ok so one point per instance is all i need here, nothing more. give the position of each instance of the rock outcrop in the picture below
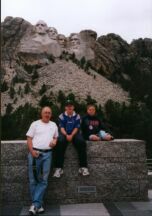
(37, 55)
(110, 51)
(80, 63)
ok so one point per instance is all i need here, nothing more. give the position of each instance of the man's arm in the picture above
(30, 147)
(30, 144)
(53, 143)
(55, 138)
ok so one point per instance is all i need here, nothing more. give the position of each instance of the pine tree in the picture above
(90, 100)
(43, 89)
(9, 109)
(61, 97)
(15, 80)
(4, 86)
(82, 62)
(45, 101)
(12, 92)
(27, 88)
(35, 75)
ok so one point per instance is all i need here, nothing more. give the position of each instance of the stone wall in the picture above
(118, 172)
(150, 179)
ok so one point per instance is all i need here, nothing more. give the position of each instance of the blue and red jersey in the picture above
(69, 122)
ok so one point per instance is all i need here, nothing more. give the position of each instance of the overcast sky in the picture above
(131, 19)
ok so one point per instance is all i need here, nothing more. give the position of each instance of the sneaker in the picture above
(40, 210)
(58, 172)
(84, 171)
(33, 210)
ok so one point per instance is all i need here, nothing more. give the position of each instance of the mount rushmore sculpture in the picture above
(44, 39)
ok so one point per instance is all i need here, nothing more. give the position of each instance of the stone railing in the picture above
(117, 172)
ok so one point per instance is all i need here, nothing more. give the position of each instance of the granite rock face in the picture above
(39, 49)
(110, 51)
(118, 172)
(29, 49)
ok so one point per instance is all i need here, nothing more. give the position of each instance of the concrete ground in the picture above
(89, 209)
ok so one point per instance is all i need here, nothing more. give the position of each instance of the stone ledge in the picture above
(118, 172)
(150, 179)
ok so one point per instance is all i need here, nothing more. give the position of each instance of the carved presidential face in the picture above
(75, 40)
(62, 40)
(41, 27)
(89, 37)
(52, 32)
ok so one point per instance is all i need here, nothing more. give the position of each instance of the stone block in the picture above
(117, 172)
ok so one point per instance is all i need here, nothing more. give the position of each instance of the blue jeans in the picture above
(38, 185)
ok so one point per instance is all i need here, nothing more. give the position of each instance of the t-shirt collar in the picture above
(44, 122)
(74, 113)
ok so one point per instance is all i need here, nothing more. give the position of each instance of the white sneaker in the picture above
(33, 210)
(40, 210)
(58, 172)
(84, 171)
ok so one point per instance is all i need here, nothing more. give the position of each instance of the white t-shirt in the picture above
(42, 133)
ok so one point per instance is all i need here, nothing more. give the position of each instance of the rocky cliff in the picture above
(37, 57)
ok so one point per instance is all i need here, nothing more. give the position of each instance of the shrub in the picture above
(45, 101)
(4, 87)
(82, 62)
(9, 109)
(35, 75)
(27, 88)
(12, 92)
(43, 89)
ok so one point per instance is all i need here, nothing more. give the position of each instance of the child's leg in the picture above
(105, 136)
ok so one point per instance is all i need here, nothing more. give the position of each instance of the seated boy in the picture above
(92, 127)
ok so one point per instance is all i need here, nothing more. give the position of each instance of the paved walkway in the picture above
(90, 209)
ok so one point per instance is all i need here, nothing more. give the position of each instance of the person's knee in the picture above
(94, 137)
(44, 182)
(108, 137)
(45, 176)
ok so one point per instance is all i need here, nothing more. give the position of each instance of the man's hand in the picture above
(34, 153)
(53, 143)
(69, 137)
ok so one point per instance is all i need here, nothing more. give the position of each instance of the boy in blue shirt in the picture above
(69, 128)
